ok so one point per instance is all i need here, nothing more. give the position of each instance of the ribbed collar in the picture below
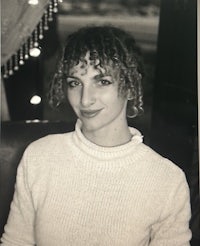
(105, 153)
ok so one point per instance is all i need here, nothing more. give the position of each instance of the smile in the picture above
(90, 113)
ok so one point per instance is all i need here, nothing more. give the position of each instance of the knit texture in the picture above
(70, 191)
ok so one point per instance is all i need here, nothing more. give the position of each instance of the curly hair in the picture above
(108, 45)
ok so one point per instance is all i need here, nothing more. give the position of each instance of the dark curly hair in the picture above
(108, 45)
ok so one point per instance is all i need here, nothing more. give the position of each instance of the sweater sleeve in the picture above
(173, 226)
(19, 229)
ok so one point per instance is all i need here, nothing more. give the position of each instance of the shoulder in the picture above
(49, 142)
(47, 149)
(151, 161)
(163, 180)
(160, 166)
(40, 156)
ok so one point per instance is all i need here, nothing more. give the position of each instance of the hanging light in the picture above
(35, 51)
(35, 100)
(33, 2)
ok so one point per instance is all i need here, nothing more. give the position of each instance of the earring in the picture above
(132, 111)
(130, 97)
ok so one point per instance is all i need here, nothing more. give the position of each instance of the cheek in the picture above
(112, 105)
(72, 98)
(112, 96)
(116, 102)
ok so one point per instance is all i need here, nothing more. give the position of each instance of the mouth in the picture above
(90, 113)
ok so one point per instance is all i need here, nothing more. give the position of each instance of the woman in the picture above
(98, 185)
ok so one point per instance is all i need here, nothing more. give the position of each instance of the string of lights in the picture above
(31, 48)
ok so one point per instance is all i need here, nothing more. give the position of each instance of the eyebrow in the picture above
(71, 77)
(101, 75)
(98, 76)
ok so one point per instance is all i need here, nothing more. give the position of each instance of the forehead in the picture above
(87, 66)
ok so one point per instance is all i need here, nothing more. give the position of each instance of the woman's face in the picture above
(93, 94)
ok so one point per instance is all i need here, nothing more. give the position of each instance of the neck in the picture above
(110, 136)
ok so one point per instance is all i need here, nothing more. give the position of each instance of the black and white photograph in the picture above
(99, 140)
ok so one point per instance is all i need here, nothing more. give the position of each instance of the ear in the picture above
(129, 95)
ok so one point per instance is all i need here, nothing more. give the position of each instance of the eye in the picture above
(73, 83)
(104, 82)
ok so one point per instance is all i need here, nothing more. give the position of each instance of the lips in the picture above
(90, 113)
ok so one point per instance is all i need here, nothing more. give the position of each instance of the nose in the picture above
(88, 96)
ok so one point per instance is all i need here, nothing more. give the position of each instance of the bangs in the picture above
(101, 43)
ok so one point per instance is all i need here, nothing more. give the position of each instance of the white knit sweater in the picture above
(70, 191)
